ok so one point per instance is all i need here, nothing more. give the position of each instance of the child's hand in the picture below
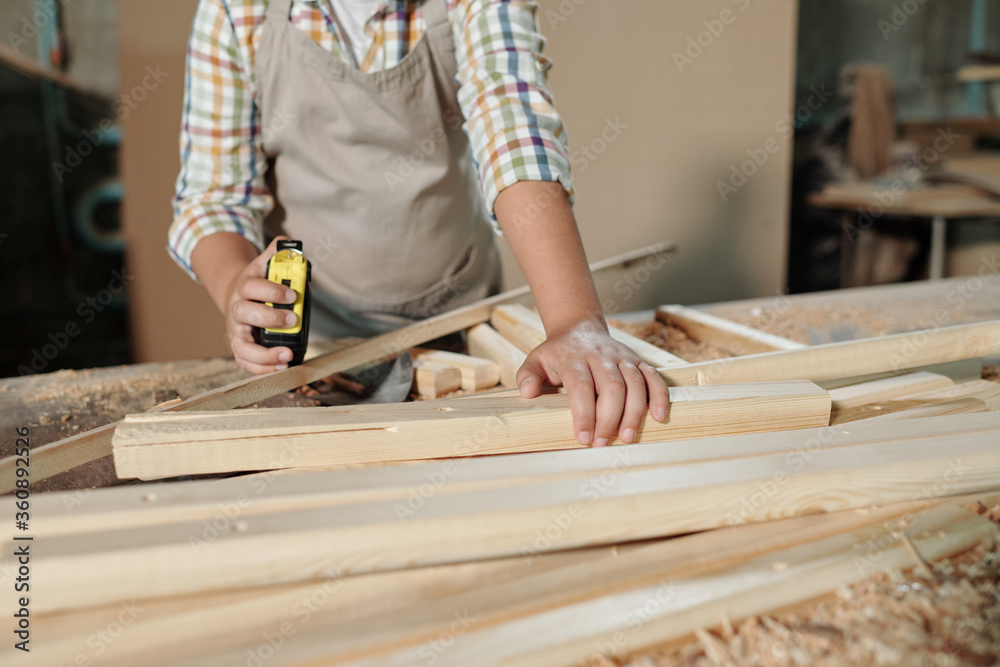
(245, 308)
(588, 361)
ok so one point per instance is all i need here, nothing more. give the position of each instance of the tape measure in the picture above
(289, 267)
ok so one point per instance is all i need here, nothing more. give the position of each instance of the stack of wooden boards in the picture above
(443, 555)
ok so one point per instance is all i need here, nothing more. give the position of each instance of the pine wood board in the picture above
(848, 359)
(369, 615)
(523, 327)
(477, 373)
(965, 397)
(887, 389)
(82, 570)
(433, 379)
(66, 454)
(485, 341)
(735, 338)
(224, 502)
(592, 628)
(150, 446)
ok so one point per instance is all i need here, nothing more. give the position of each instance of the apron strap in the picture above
(435, 12)
(279, 10)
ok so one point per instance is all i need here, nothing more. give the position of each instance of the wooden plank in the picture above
(485, 341)
(962, 370)
(981, 401)
(857, 357)
(385, 611)
(519, 325)
(81, 570)
(477, 373)
(926, 401)
(432, 379)
(524, 328)
(654, 356)
(886, 389)
(69, 453)
(228, 500)
(163, 445)
(606, 627)
(737, 339)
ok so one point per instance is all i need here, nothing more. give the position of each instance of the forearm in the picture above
(539, 226)
(218, 260)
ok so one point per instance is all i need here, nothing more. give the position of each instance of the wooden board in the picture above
(433, 379)
(895, 353)
(524, 328)
(737, 339)
(365, 615)
(69, 453)
(77, 570)
(163, 445)
(485, 341)
(886, 389)
(476, 373)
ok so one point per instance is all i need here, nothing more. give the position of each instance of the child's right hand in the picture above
(245, 309)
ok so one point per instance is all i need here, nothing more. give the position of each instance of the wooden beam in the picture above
(371, 614)
(477, 373)
(737, 339)
(957, 399)
(886, 389)
(164, 445)
(247, 495)
(982, 401)
(524, 328)
(433, 380)
(583, 633)
(77, 570)
(852, 358)
(66, 454)
(485, 341)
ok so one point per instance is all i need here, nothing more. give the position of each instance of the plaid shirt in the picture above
(514, 130)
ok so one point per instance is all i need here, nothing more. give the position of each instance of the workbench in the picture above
(64, 403)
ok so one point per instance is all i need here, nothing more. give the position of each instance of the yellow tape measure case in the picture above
(290, 268)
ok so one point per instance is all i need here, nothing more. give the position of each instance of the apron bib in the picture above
(373, 172)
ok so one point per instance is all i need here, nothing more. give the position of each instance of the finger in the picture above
(635, 401)
(610, 402)
(579, 384)
(260, 315)
(530, 376)
(259, 264)
(270, 358)
(263, 290)
(659, 395)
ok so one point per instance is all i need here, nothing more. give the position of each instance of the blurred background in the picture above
(736, 119)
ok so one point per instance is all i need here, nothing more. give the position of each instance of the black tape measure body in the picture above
(290, 268)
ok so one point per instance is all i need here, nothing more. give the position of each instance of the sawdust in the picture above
(950, 618)
(991, 373)
(672, 339)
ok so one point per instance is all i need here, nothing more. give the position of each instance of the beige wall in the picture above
(172, 317)
(613, 60)
(657, 181)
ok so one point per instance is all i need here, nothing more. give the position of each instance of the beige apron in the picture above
(374, 174)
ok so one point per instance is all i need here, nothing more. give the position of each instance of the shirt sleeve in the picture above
(221, 185)
(513, 126)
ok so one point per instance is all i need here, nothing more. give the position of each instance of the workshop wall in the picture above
(699, 100)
